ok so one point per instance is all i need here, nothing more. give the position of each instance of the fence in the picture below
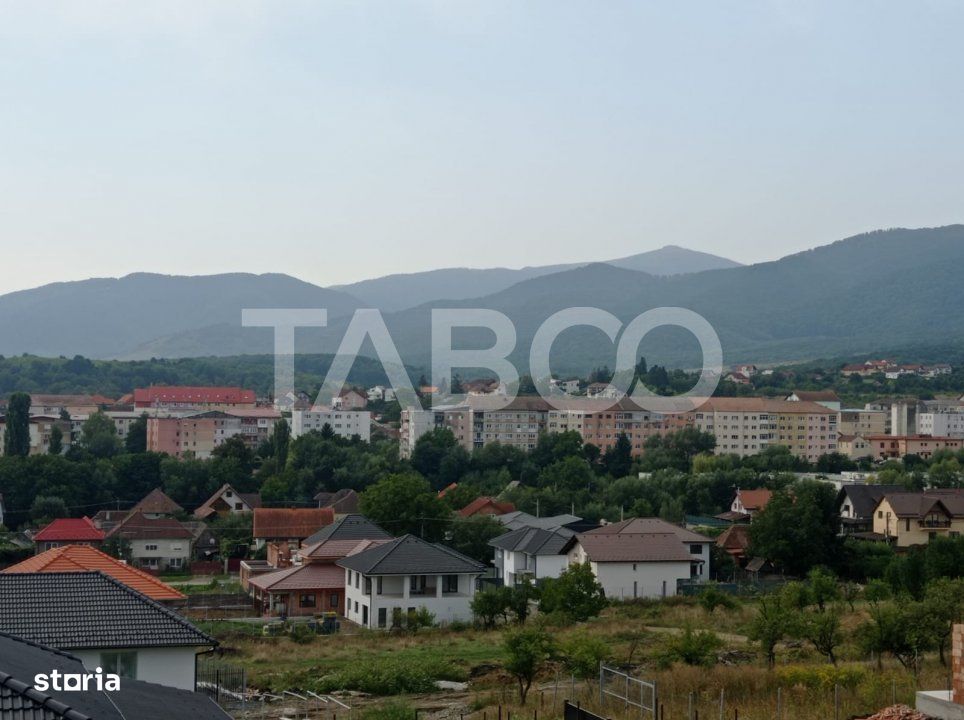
(225, 684)
(632, 692)
(576, 712)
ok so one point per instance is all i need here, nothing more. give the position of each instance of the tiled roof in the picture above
(764, 405)
(735, 539)
(519, 519)
(68, 530)
(916, 505)
(755, 499)
(138, 526)
(157, 503)
(654, 547)
(290, 522)
(865, 496)
(345, 500)
(313, 576)
(646, 526)
(187, 394)
(84, 558)
(501, 507)
(410, 555)
(349, 527)
(533, 541)
(337, 549)
(252, 500)
(75, 610)
(21, 660)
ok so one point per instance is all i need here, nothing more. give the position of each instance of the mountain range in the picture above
(881, 290)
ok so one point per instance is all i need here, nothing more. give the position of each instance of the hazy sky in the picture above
(342, 140)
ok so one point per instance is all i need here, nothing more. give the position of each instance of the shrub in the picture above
(583, 653)
(713, 598)
(391, 710)
(691, 647)
(821, 676)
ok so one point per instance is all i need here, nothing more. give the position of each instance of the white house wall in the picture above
(173, 667)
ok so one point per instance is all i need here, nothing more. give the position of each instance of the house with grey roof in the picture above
(387, 582)
(642, 557)
(856, 503)
(347, 527)
(21, 661)
(534, 553)
(104, 623)
(518, 519)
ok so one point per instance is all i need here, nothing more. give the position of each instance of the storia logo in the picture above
(98, 681)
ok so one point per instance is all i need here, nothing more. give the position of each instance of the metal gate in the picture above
(632, 692)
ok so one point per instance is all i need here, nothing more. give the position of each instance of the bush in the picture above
(391, 710)
(583, 653)
(692, 648)
(822, 676)
(713, 598)
(384, 677)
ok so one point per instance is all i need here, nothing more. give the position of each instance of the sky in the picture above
(337, 141)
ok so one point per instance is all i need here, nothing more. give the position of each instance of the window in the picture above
(333, 600)
(306, 601)
(696, 549)
(176, 562)
(148, 548)
(119, 663)
(382, 617)
(368, 586)
(450, 583)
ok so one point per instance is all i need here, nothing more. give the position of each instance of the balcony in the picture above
(934, 523)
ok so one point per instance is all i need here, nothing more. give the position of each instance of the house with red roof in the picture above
(750, 502)
(68, 531)
(84, 558)
(283, 529)
(181, 396)
(487, 506)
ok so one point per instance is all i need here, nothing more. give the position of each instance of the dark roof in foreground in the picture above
(350, 527)
(76, 610)
(533, 541)
(410, 555)
(21, 660)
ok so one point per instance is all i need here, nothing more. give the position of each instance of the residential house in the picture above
(314, 583)
(487, 506)
(908, 519)
(22, 661)
(157, 505)
(735, 542)
(342, 502)
(68, 531)
(886, 447)
(213, 398)
(601, 390)
(283, 529)
(344, 423)
(104, 623)
(227, 501)
(518, 519)
(856, 503)
(107, 520)
(156, 543)
(531, 553)
(350, 399)
(84, 558)
(642, 557)
(387, 582)
(738, 378)
(750, 502)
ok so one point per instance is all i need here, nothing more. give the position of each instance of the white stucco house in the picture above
(535, 553)
(384, 583)
(642, 557)
(103, 623)
(159, 543)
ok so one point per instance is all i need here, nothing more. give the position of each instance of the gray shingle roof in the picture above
(350, 527)
(533, 541)
(519, 519)
(409, 555)
(21, 660)
(646, 526)
(864, 497)
(75, 610)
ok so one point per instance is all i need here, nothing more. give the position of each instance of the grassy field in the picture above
(637, 634)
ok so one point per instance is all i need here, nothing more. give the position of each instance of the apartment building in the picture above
(185, 397)
(948, 422)
(198, 434)
(855, 421)
(747, 426)
(344, 423)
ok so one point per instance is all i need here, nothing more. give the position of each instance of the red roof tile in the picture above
(188, 394)
(69, 529)
(290, 522)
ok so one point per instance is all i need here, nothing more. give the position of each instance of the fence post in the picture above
(836, 701)
(689, 714)
(722, 704)
(601, 694)
(779, 698)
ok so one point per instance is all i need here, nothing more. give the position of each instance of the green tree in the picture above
(16, 438)
(406, 503)
(471, 536)
(618, 460)
(98, 436)
(823, 587)
(583, 653)
(522, 594)
(56, 444)
(944, 604)
(46, 508)
(527, 650)
(774, 621)
(576, 592)
(280, 440)
(798, 531)
(489, 604)
(136, 440)
(823, 630)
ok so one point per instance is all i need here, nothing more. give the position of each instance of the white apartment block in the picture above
(344, 423)
(949, 423)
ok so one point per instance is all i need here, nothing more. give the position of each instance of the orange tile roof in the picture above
(755, 499)
(290, 522)
(83, 558)
(68, 530)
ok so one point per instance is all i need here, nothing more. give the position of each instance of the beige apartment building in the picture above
(862, 422)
